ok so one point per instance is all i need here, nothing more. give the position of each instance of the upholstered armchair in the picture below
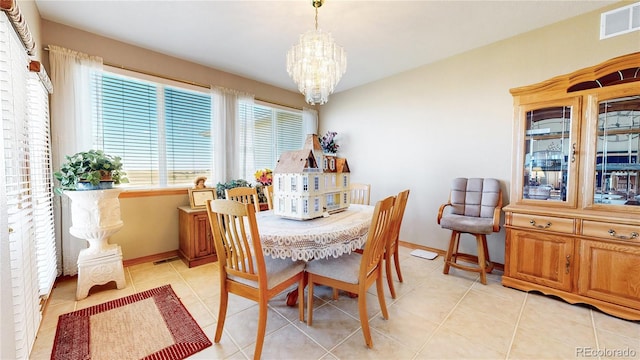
(474, 208)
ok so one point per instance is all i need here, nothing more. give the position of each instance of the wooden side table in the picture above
(196, 240)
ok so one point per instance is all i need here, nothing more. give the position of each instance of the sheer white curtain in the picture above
(309, 122)
(232, 128)
(74, 110)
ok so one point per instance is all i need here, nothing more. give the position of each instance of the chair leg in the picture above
(396, 260)
(309, 299)
(222, 314)
(364, 320)
(489, 267)
(481, 240)
(387, 264)
(262, 327)
(453, 244)
(301, 284)
(381, 300)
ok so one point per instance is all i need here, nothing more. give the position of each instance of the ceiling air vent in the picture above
(620, 21)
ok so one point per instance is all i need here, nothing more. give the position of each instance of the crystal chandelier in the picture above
(316, 63)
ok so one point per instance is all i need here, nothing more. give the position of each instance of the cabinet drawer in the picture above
(605, 230)
(548, 223)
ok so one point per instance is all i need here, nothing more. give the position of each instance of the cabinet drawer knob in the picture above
(546, 226)
(633, 235)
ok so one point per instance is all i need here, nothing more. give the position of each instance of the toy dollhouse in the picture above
(307, 183)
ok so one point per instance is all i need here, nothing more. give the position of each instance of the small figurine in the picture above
(199, 182)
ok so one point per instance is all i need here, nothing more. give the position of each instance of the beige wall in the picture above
(421, 128)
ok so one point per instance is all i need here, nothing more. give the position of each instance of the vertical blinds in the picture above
(27, 190)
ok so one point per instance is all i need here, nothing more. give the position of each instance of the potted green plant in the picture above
(90, 170)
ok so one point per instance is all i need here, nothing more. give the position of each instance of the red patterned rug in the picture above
(152, 324)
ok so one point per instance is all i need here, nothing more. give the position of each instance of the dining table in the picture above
(332, 235)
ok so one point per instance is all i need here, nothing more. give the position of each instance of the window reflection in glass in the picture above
(617, 144)
(547, 145)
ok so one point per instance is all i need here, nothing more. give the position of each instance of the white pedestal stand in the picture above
(95, 216)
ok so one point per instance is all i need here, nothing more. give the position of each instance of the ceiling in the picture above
(251, 38)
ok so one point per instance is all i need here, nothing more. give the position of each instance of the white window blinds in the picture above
(162, 133)
(276, 131)
(129, 126)
(27, 191)
(188, 134)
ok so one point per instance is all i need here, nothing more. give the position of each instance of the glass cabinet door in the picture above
(549, 152)
(617, 143)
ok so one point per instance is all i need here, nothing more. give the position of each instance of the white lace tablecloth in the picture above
(320, 238)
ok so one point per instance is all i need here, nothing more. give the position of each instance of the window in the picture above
(276, 130)
(305, 183)
(163, 131)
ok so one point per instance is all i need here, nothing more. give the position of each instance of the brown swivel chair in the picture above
(475, 206)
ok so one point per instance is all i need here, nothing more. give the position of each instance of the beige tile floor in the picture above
(435, 316)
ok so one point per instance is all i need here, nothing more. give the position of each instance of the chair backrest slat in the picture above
(268, 194)
(236, 238)
(360, 193)
(377, 237)
(246, 195)
(398, 213)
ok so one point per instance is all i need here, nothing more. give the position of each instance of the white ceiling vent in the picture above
(620, 21)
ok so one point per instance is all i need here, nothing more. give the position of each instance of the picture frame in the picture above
(198, 197)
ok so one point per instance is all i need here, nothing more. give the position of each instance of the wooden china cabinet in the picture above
(573, 224)
(196, 240)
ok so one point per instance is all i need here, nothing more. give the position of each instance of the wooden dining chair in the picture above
(244, 270)
(268, 193)
(355, 272)
(246, 195)
(392, 243)
(360, 193)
